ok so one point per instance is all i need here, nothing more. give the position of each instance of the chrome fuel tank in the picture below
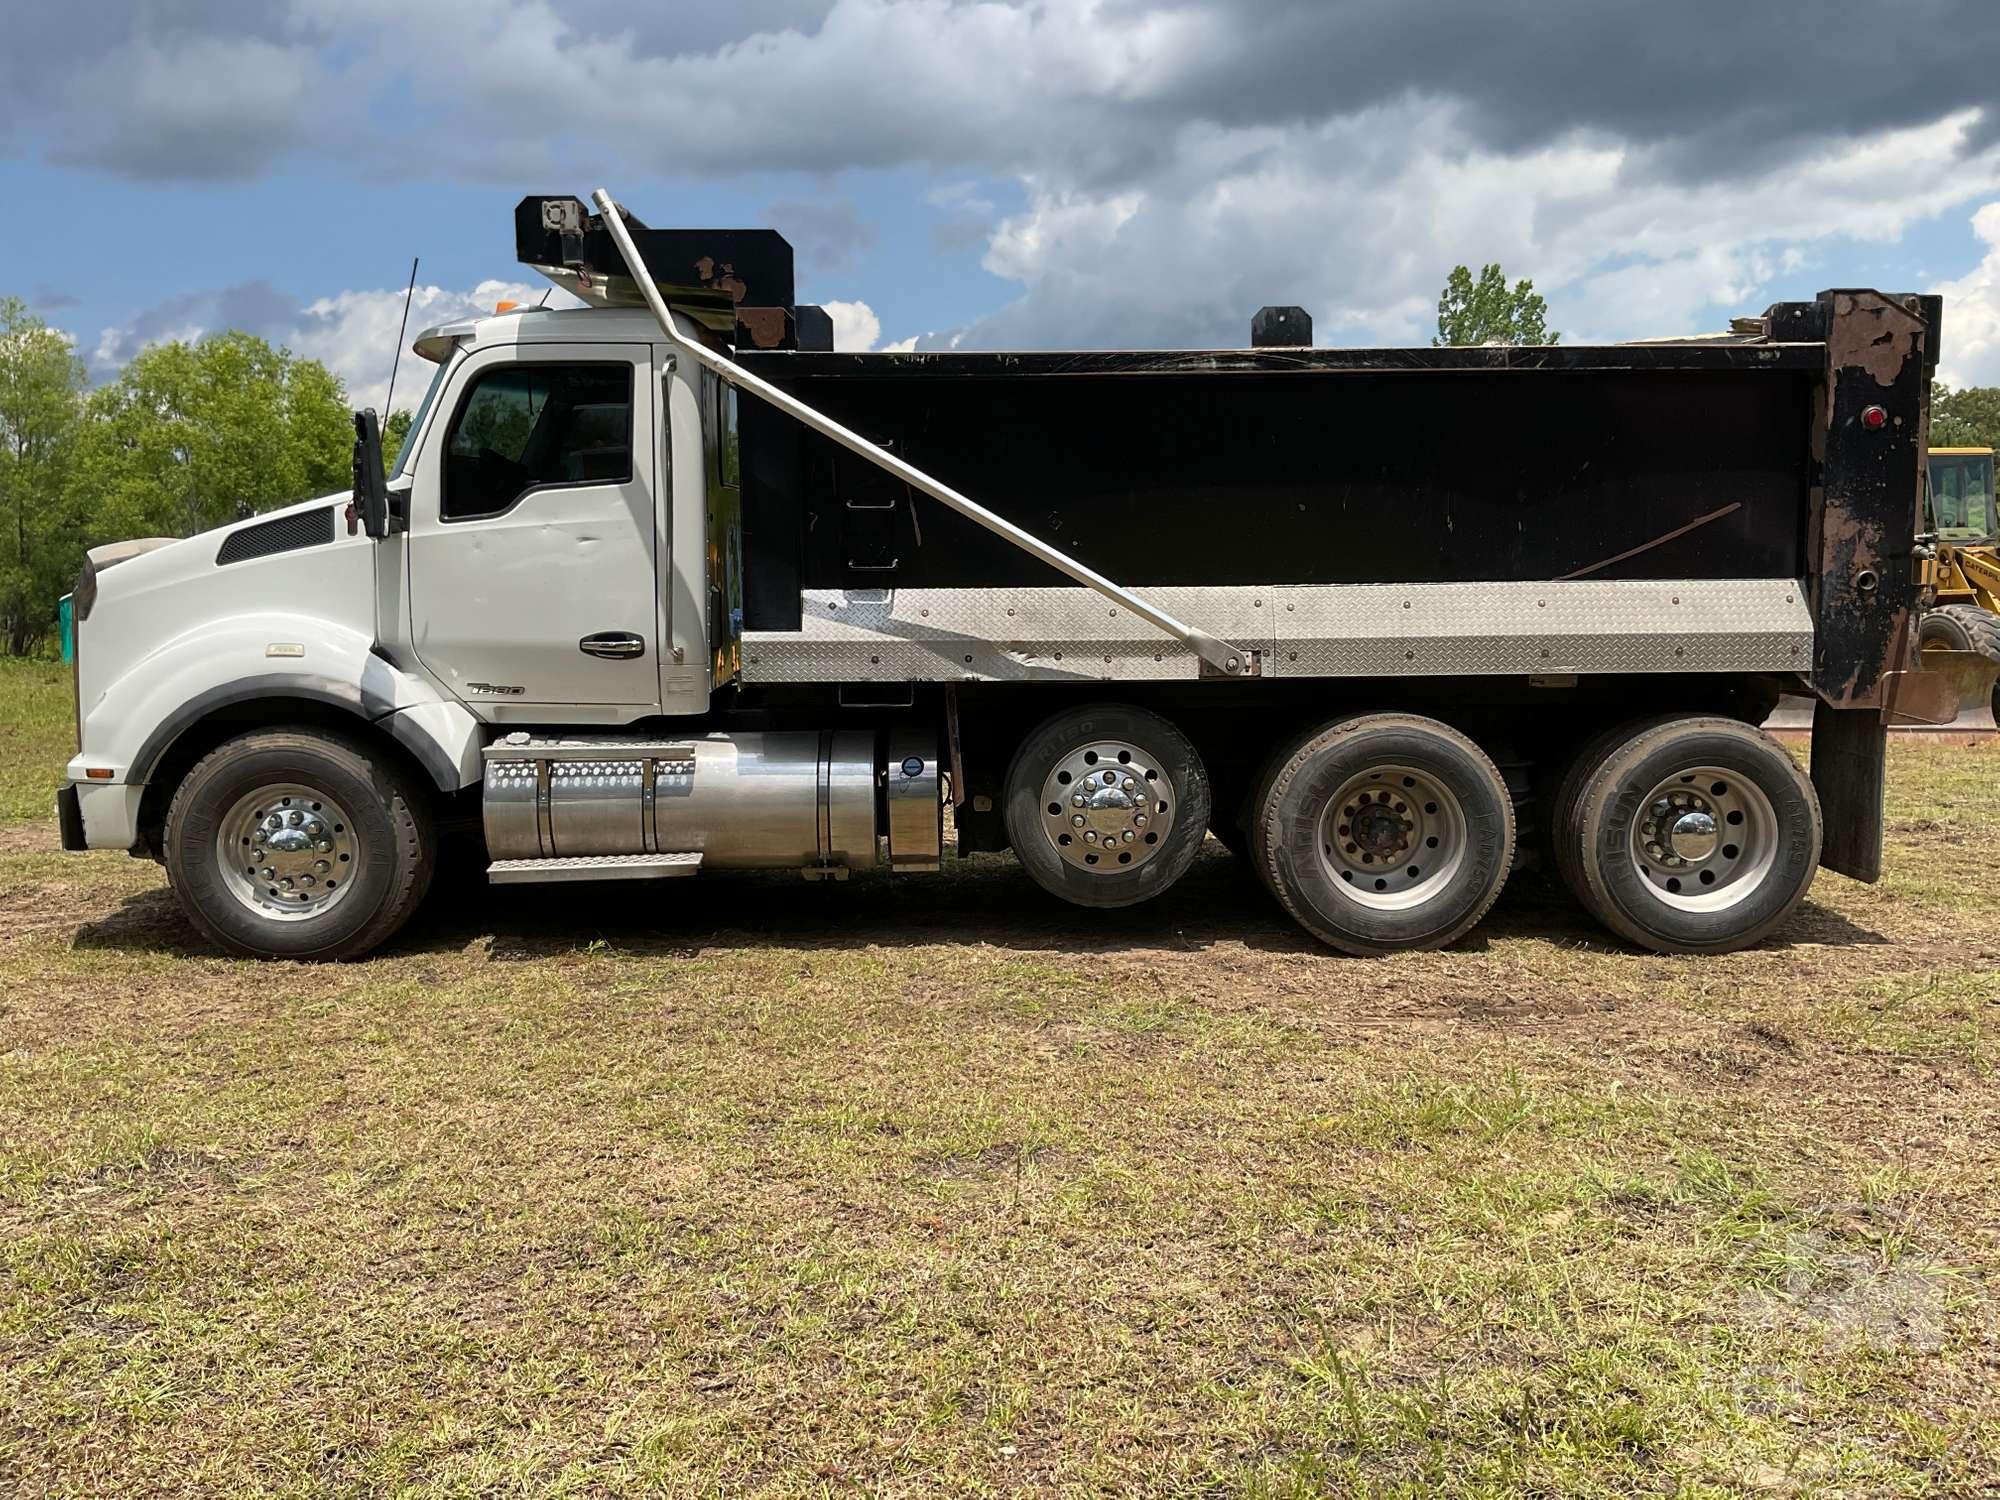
(795, 799)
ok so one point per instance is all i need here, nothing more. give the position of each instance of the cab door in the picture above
(533, 542)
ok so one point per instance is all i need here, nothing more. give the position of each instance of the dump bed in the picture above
(1777, 471)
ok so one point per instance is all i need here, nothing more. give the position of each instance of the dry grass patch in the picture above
(760, 1186)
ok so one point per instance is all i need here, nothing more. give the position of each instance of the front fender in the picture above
(141, 713)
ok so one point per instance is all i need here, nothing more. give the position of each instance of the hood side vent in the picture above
(308, 528)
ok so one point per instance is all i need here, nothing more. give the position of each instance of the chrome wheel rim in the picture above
(1393, 837)
(1704, 839)
(1107, 806)
(287, 852)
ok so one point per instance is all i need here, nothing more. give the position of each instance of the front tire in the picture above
(298, 843)
(1688, 835)
(1383, 833)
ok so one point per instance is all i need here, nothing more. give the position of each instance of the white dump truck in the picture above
(665, 587)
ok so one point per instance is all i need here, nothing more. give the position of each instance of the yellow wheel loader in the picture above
(1966, 616)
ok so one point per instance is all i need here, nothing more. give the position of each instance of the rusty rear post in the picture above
(1870, 421)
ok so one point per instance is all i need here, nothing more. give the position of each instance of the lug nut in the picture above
(320, 866)
(1076, 820)
(1090, 836)
(1138, 820)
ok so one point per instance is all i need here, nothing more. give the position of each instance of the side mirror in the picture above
(370, 505)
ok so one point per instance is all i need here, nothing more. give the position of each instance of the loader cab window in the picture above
(1962, 496)
(526, 427)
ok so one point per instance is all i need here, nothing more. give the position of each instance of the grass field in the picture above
(750, 1185)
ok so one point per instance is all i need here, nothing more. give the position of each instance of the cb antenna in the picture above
(389, 404)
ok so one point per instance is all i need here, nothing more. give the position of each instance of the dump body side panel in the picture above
(1320, 475)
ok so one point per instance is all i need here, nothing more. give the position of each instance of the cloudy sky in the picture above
(1042, 173)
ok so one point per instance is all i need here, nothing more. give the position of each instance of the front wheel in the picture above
(1688, 835)
(298, 843)
(1384, 832)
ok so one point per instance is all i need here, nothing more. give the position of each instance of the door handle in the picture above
(613, 645)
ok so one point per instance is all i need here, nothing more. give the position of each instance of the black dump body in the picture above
(1794, 454)
(1306, 466)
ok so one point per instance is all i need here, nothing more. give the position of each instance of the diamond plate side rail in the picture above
(1333, 630)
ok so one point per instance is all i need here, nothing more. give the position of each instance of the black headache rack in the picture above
(735, 282)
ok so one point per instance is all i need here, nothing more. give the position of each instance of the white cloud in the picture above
(855, 326)
(353, 333)
(901, 346)
(1971, 353)
(1358, 219)
(1177, 162)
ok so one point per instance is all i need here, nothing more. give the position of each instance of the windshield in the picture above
(1962, 496)
(417, 421)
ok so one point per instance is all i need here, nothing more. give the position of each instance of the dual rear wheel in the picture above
(1391, 831)
(1687, 835)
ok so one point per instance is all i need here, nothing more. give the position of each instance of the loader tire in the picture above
(299, 843)
(1960, 627)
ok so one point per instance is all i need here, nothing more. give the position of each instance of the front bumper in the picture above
(99, 815)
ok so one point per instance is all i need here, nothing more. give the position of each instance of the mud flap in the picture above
(69, 818)
(1849, 754)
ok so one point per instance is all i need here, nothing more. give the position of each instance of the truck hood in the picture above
(146, 592)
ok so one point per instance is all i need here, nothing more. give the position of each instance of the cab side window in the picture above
(525, 427)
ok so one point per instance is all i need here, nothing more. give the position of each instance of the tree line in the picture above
(186, 437)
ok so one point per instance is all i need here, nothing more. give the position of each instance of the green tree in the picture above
(1488, 311)
(191, 436)
(41, 390)
(1968, 418)
(395, 433)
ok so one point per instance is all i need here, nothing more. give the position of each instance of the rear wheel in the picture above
(1688, 835)
(1384, 832)
(1106, 805)
(297, 843)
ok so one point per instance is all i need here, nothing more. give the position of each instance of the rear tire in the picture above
(1688, 835)
(1384, 832)
(298, 843)
(1139, 830)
